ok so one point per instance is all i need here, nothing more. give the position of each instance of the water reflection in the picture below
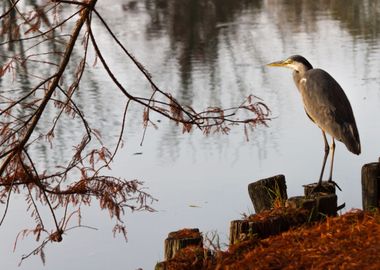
(360, 18)
(193, 29)
(213, 53)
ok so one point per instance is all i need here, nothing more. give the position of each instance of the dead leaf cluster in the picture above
(349, 241)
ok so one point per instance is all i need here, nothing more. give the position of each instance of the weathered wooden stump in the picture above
(264, 192)
(178, 240)
(319, 205)
(326, 205)
(239, 231)
(181, 239)
(300, 202)
(315, 205)
(371, 185)
(322, 202)
(327, 187)
(267, 223)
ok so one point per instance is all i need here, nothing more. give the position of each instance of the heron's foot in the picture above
(334, 183)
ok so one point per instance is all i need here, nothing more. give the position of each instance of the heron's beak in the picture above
(282, 63)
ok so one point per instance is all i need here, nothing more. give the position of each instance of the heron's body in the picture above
(326, 104)
(328, 107)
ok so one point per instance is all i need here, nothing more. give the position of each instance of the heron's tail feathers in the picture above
(351, 139)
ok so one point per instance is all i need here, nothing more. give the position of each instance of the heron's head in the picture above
(295, 62)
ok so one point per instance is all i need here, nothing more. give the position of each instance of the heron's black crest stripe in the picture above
(301, 59)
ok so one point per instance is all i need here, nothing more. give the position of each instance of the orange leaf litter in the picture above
(350, 241)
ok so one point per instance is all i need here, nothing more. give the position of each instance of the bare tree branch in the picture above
(79, 180)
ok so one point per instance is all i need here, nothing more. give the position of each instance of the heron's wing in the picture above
(328, 106)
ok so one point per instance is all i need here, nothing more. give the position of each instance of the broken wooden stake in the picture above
(371, 185)
(265, 192)
(326, 187)
(267, 223)
(181, 239)
(319, 205)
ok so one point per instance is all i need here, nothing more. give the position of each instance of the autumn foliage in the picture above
(350, 241)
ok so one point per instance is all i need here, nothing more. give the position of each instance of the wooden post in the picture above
(322, 203)
(264, 192)
(371, 185)
(326, 205)
(181, 239)
(239, 230)
(271, 222)
(176, 241)
(300, 202)
(327, 187)
(319, 205)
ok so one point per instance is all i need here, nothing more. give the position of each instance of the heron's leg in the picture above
(327, 150)
(332, 158)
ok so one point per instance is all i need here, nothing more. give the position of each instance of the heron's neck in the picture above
(299, 73)
(297, 76)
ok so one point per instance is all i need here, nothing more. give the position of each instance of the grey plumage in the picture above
(326, 104)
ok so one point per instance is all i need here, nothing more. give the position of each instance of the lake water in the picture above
(212, 53)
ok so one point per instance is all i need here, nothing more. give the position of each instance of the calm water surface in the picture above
(213, 53)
